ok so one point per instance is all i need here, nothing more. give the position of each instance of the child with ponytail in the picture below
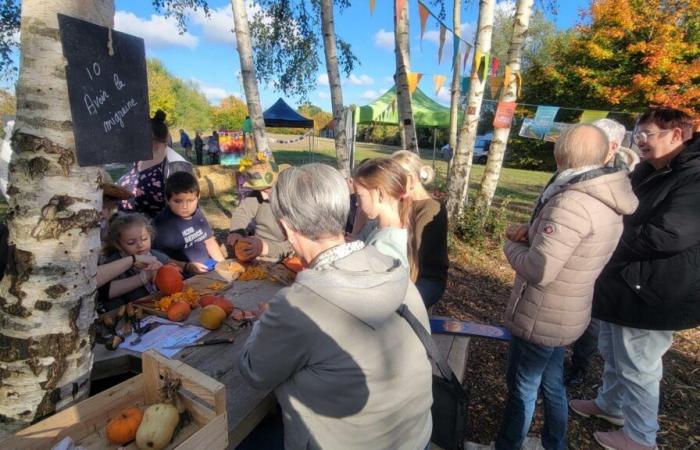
(380, 185)
(429, 236)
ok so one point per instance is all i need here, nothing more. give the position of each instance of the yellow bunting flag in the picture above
(423, 11)
(518, 84)
(495, 84)
(506, 77)
(476, 61)
(591, 115)
(372, 4)
(443, 30)
(438, 81)
(413, 80)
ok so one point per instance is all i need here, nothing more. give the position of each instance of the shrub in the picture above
(483, 229)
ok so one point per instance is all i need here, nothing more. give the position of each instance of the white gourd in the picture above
(157, 427)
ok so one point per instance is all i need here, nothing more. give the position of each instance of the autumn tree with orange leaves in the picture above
(624, 55)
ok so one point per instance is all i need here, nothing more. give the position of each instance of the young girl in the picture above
(128, 265)
(429, 236)
(380, 185)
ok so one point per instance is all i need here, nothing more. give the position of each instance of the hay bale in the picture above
(215, 180)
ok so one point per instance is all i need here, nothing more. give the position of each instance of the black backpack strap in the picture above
(427, 341)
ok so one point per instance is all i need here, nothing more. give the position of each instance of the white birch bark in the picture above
(454, 97)
(250, 83)
(47, 297)
(329, 45)
(460, 168)
(492, 172)
(407, 125)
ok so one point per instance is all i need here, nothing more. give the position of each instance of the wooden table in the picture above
(245, 406)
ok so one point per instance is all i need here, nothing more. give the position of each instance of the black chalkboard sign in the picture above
(108, 93)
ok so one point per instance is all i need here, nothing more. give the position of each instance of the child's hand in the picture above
(148, 263)
(196, 267)
(517, 232)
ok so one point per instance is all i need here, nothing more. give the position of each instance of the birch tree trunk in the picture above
(341, 140)
(407, 126)
(462, 160)
(250, 83)
(47, 297)
(454, 99)
(492, 172)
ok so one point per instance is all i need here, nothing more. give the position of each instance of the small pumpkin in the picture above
(179, 311)
(294, 264)
(219, 301)
(212, 317)
(169, 280)
(158, 426)
(122, 429)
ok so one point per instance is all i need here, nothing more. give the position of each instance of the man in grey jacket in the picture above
(347, 370)
(573, 231)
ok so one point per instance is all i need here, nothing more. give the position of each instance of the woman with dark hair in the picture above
(146, 179)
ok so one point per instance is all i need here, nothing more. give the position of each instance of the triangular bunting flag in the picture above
(443, 30)
(475, 62)
(423, 12)
(465, 85)
(495, 85)
(484, 66)
(455, 50)
(518, 84)
(400, 4)
(495, 63)
(372, 4)
(466, 55)
(413, 80)
(438, 81)
(506, 77)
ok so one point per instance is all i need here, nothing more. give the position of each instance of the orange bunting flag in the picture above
(423, 11)
(438, 81)
(506, 77)
(504, 115)
(443, 30)
(495, 85)
(400, 4)
(413, 80)
(372, 4)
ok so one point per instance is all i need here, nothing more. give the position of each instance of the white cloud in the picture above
(371, 95)
(389, 80)
(213, 93)
(323, 79)
(158, 32)
(362, 80)
(444, 95)
(323, 95)
(384, 39)
(218, 27)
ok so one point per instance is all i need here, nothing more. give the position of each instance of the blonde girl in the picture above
(429, 237)
(381, 188)
(128, 265)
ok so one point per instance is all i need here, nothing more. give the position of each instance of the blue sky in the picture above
(206, 52)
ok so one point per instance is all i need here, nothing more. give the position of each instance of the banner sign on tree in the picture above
(504, 115)
(591, 115)
(544, 118)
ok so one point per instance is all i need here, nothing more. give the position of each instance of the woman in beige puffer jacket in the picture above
(573, 232)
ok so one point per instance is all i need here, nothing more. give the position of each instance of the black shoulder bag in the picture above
(450, 399)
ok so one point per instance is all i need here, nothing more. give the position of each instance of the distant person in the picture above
(248, 141)
(182, 230)
(625, 159)
(213, 148)
(557, 257)
(146, 179)
(446, 152)
(649, 289)
(198, 147)
(429, 236)
(186, 144)
(347, 370)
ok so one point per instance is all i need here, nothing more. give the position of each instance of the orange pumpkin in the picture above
(122, 429)
(178, 311)
(219, 301)
(169, 280)
(238, 249)
(294, 264)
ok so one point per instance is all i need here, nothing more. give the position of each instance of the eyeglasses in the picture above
(642, 137)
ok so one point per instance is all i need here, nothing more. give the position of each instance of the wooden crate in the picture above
(203, 397)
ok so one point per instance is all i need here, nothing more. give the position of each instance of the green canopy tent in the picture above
(426, 112)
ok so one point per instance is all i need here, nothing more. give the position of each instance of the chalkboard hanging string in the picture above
(110, 49)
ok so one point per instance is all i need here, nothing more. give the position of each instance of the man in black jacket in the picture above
(651, 286)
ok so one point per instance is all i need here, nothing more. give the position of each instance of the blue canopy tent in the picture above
(283, 116)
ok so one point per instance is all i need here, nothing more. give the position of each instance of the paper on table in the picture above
(168, 334)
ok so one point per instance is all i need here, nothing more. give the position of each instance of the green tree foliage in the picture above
(9, 26)
(230, 114)
(185, 105)
(8, 103)
(320, 117)
(542, 36)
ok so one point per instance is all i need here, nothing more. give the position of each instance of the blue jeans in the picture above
(529, 366)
